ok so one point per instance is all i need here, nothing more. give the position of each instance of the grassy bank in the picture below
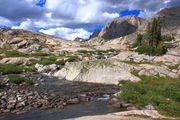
(162, 93)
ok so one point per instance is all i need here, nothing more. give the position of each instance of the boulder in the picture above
(73, 101)
(15, 60)
(16, 40)
(98, 71)
(46, 68)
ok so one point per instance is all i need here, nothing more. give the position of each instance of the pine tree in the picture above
(149, 34)
(154, 33)
(139, 38)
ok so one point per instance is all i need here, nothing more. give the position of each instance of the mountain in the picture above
(30, 42)
(170, 22)
(95, 33)
(120, 27)
(124, 29)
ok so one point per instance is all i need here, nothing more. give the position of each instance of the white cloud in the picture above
(26, 25)
(5, 21)
(110, 15)
(67, 33)
(72, 14)
(167, 1)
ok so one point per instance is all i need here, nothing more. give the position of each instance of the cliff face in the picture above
(95, 33)
(120, 27)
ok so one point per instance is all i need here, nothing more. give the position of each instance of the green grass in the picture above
(174, 67)
(52, 60)
(97, 52)
(40, 54)
(136, 63)
(10, 68)
(29, 69)
(163, 93)
(17, 79)
(14, 53)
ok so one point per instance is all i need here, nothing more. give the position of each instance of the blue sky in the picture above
(69, 19)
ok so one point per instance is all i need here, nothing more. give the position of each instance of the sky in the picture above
(69, 19)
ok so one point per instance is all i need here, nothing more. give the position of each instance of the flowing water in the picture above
(97, 106)
(94, 107)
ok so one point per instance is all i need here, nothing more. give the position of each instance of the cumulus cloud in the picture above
(67, 33)
(26, 25)
(20, 9)
(73, 15)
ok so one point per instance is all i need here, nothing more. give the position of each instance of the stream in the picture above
(97, 106)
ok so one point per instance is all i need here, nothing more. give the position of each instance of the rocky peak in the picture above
(120, 27)
(78, 39)
(95, 33)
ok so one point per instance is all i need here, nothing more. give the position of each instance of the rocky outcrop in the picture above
(78, 39)
(100, 71)
(47, 68)
(16, 60)
(120, 27)
(152, 70)
(95, 33)
(127, 115)
(30, 42)
(150, 113)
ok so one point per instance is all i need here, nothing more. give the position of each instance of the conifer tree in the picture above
(139, 38)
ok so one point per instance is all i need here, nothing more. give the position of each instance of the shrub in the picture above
(10, 68)
(149, 50)
(15, 54)
(17, 79)
(167, 38)
(83, 51)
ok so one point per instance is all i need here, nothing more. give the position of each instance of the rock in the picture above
(41, 68)
(120, 27)
(149, 107)
(11, 107)
(167, 58)
(73, 101)
(131, 108)
(100, 71)
(53, 67)
(46, 68)
(151, 113)
(149, 72)
(95, 33)
(22, 44)
(115, 102)
(16, 40)
(133, 56)
(21, 104)
(84, 98)
(152, 70)
(16, 60)
(79, 39)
